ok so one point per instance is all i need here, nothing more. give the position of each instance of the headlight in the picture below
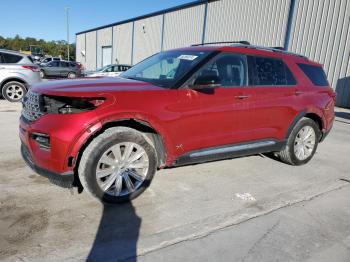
(70, 105)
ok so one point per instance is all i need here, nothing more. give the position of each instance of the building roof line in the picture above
(164, 11)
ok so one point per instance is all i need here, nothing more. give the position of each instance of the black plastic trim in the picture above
(294, 122)
(187, 159)
(64, 180)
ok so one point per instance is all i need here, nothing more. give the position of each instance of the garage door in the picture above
(106, 55)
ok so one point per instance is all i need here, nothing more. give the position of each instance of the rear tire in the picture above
(14, 91)
(118, 165)
(301, 143)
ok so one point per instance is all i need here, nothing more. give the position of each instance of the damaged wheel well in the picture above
(144, 127)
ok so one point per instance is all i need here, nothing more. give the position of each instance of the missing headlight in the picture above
(70, 105)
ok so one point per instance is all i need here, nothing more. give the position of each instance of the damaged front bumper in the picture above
(65, 180)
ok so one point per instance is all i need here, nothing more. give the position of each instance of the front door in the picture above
(53, 68)
(216, 116)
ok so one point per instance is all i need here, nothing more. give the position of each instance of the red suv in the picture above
(177, 107)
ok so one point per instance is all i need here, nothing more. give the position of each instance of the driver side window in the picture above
(228, 70)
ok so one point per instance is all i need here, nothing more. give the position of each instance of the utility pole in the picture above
(67, 13)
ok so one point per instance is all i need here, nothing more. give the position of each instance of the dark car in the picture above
(65, 69)
(177, 107)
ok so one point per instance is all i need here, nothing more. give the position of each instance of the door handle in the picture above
(241, 97)
(297, 92)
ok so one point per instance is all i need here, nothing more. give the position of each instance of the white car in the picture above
(109, 70)
(17, 74)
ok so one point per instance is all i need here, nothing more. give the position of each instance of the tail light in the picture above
(33, 68)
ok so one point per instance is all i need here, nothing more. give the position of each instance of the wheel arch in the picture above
(10, 79)
(140, 125)
(311, 115)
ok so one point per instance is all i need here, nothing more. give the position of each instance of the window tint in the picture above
(10, 58)
(72, 64)
(64, 64)
(54, 63)
(315, 74)
(30, 59)
(109, 69)
(230, 70)
(1, 61)
(269, 71)
(122, 68)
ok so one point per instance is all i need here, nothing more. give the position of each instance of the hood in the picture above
(91, 86)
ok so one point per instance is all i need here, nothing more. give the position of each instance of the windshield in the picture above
(102, 68)
(166, 68)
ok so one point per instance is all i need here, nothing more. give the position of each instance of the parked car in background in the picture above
(67, 69)
(109, 70)
(49, 59)
(178, 107)
(17, 74)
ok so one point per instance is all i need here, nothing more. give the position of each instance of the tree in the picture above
(53, 48)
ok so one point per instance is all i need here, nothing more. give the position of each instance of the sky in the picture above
(46, 19)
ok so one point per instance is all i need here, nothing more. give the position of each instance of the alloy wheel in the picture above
(122, 169)
(304, 142)
(14, 92)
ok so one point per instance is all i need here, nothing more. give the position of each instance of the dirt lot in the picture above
(198, 212)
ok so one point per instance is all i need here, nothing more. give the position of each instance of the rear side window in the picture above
(1, 61)
(30, 59)
(315, 74)
(54, 63)
(64, 64)
(10, 58)
(269, 71)
(122, 68)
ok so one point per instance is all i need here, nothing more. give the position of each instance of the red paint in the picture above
(186, 119)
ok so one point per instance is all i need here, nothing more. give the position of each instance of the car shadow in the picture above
(117, 234)
(344, 115)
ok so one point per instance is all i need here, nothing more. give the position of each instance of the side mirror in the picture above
(206, 81)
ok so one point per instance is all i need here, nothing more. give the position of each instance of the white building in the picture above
(318, 29)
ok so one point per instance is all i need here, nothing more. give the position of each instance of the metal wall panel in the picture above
(183, 27)
(80, 47)
(122, 43)
(147, 37)
(90, 51)
(104, 38)
(261, 22)
(321, 32)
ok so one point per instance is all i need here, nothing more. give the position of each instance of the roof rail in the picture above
(271, 49)
(225, 42)
(278, 47)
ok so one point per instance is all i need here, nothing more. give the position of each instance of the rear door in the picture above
(273, 97)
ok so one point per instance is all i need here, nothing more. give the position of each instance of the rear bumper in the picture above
(65, 180)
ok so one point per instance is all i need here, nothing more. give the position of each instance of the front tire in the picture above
(42, 74)
(71, 75)
(118, 165)
(14, 91)
(301, 143)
